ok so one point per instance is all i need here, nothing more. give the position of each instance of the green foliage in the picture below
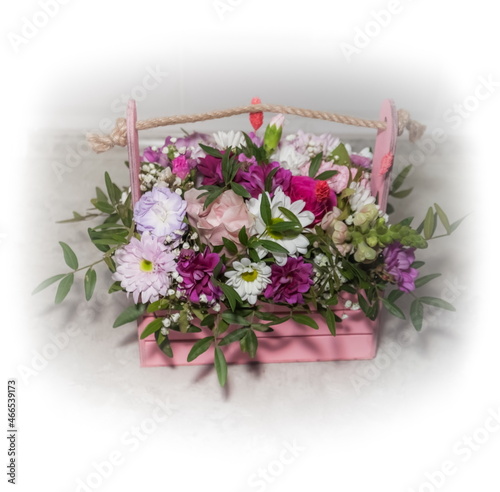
(200, 347)
(69, 256)
(90, 280)
(220, 366)
(130, 314)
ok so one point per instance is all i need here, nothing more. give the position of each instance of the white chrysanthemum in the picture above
(229, 140)
(249, 279)
(366, 152)
(290, 159)
(362, 196)
(294, 245)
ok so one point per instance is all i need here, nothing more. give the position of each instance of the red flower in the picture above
(317, 195)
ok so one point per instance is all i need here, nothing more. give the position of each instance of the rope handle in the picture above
(103, 143)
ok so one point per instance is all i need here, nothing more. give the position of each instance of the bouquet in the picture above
(229, 226)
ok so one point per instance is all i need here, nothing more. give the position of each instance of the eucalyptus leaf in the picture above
(153, 327)
(429, 223)
(425, 279)
(436, 302)
(199, 348)
(220, 366)
(305, 320)
(69, 256)
(417, 314)
(130, 314)
(64, 287)
(48, 282)
(89, 281)
(393, 309)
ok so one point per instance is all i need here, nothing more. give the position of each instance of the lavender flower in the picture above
(398, 260)
(161, 212)
(196, 270)
(290, 281)
(143, 268)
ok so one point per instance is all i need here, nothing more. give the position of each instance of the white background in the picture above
(81, 408)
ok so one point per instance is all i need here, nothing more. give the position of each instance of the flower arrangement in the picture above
(231, 223)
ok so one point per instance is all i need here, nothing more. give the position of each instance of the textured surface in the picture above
(94, 394)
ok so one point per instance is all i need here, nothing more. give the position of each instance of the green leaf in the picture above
(89, 281)
(393, 309)
(417, 314)
(130, 314)
(290, 216)
(164, 344)
(272, 246)
(239, 190)
(199, 348)
(211, 151)
(220, 366)
(212, 196)
(326, 175)
(330, 321)
(232, 296)
(427, 278)
(115, 287)
(69, 256)
(268, 185)
(454, 226)
(305, 320)
(418, 264)
(48, 282)
(234, 336)
(234, 319)
(429, 223)
(230, 246)
(436, 302)
(363, 304)
(400, 178)
(340, 155)
(389, 209)
(153, 327)
(103, 206)
(394, 295)
(101, 196)
(110, 189)
(315, 165)
(443, 218)
(64, 288)
(265, 209)
(208, 320)
(402, 193)
(249, 343)
(243, 236)
(158, 305)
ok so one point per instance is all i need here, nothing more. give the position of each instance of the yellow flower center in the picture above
(146, 265)
(276, 235)
(250, 276)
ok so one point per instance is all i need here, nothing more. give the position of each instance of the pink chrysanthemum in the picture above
(143, 268)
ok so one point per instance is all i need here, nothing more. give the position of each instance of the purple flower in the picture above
(196, 270)
(211, 169)
(256, 139)
(290, 281)
(154, 155)
(161, 212)
(361, 161)
(143, 267)
(398, 260)
(254, 179)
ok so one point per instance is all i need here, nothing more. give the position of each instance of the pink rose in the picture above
(222, 218)
(180, 166)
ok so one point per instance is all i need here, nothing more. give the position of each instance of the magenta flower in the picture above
(196, 270)
(143, 268)
(398, 260)
(161, 212)
(254, 179)
(290, 281)
(210, 168)
(181, 166)
(317, 195)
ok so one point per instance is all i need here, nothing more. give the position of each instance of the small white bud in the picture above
(348, 304)
(164, 331)
(194, 236)
(173, 139)
(196, 248)
(216, 307)
(185, 246)
(345, 316)
(178, 191)
(203, 298)
(178, 294)
(166, 322)
(170, 292)
(355, 307)
(180, 280)
(175, 317)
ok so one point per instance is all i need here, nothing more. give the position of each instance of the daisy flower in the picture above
(249, 279)
(294, 245)
(229, 140)
(143, 267)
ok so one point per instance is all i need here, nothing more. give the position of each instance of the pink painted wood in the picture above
(383, 154)
(357, 336)
(134, 157)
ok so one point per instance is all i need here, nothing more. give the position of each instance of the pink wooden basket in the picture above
(357, 336)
